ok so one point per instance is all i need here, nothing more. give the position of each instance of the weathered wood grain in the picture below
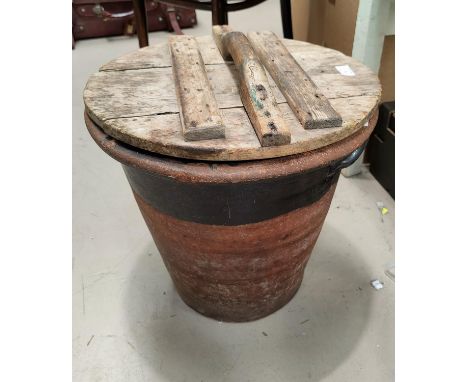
(158, 55)
(309, 104)
(254, 88)
(198, 109)
(161, 133)
(122, 94)
(134, 100)
(219, 31)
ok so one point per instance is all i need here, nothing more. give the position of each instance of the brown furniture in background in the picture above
(100, 18)
(219, 12)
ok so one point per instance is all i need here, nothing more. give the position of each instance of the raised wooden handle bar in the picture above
(255, 92)
(199, 112)
(311, 107)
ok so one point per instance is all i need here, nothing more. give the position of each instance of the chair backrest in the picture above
(219, 14)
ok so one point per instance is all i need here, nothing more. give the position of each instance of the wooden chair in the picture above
(219, 13)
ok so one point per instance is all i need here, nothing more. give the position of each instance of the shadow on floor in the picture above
(305, 340)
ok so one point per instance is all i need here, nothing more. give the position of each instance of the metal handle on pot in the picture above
(348, 161)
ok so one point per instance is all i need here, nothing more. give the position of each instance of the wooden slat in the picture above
(199, 113)
(254, 88)
(311, 107)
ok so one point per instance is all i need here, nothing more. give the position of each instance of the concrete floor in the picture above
(130, 325)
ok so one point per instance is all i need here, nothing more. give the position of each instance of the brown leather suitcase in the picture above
(115, 17)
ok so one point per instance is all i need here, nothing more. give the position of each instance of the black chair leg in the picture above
(219, 14)
(139, 7)
(286, 18)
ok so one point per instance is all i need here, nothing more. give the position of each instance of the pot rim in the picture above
(189, 170)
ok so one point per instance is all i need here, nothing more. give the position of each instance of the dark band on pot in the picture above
(231, 203)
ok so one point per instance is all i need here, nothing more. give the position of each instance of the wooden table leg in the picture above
(219, 12)
(139, 7)
(286, 18)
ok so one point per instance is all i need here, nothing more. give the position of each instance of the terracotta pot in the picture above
(235, 237)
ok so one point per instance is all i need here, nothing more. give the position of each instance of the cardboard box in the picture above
(387, 69)
(331, 23)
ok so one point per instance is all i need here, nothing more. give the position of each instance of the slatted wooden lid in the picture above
(133, 99)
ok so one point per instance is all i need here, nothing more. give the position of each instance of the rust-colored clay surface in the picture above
(238, 273)
(246, 269)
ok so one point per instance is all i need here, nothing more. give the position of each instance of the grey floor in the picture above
(130, 325)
